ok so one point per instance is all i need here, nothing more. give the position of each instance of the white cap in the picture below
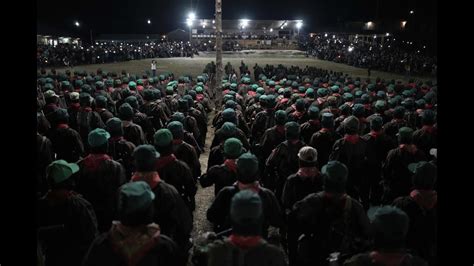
(308, 154)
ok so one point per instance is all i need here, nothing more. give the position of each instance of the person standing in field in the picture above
(153, 67)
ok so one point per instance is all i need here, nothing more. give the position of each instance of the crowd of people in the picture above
(391, 56)
(70, 55)
(309, 167)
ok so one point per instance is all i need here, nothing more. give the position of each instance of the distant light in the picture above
(192, 15)
(98, 57)
(299, 24)
(209, 41)
(189, 22)
(370, 24)
(148, 37)
(213, 22)
(375, 36)
(325, 35)
(387, 34)
(424, 46)
(404, 23)
(334, 36)
(418, 51)
(389, 46)
(412, 12)
(149, 21)
(203, 24)
(164, 36)
(244, 23)
(271, 30)
(77, 23)
(96, 44)
(350, 49)
(357, 36)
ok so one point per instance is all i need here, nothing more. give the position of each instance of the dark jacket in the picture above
(88, 120)
(219, 211)
(186, 153)
(45, 157)
(220, 176)
(67, 143)
(423, 228)
(270, 139)
(68, 245)
(392, 127)
(397, 177)
(121, 151)
(426, 138)
(323, 141)
(309, 128)
(263, 120)
(368, 259)
(98, 180)
(177, 173)
(111, 248)
(133, 133)
(220, 137)
(298, 187)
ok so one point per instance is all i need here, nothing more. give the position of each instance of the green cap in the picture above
(132, 84)
(254, 87)
(232, 148)
(229, 114)
(351, 123)
(135, 197)
(391, 224)
(48, 86)
(292, 130)
(163, 137)
(177, 129)
(358, 110)
(347, 96)
(133, 101)
(260, 90)
(126, 111)
(336, 174)
(310, 92)
(313, 112)
(380, 104)
(178, 116)
(228, 128)
(140, 82)
(405, 133)
(199, 89)
(114, 126)
(302, 89)
(247, 168)
(99, 84)
(101, 101)
(425, 174)
(145, 157)
(60, 170)
(280, 117)
(98, 137)
(246, 210)
(376, 123)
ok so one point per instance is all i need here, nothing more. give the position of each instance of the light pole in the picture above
(190, 21)
(219, 67)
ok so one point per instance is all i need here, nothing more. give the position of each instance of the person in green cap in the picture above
(283, 161)
(379, 110)
(390, 226)
(140, 118)
(228, 130)
(44, 151)
(66, 142)
(351, 150)
(307, 180)
(170, 211)
(120, 149)
(313, 124)
(172, 170)
(330, 220)
(134, 237)
(378, 146)
(297, 111)
(132, 132)
(396, 176)
(200, 117)
(190, 123)
(99, 178)
(87, 118)
(224, 174)
(398, 121)
(183, 150)
(246, 218)
(425, 138)
(101, 108)
(247, 175)
(263, 120)
(73, 109)
(253, 107)
(69, 212)
(421, 208)
(155, 109)
(271, 138)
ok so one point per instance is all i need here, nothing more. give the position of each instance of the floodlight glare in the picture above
(271, 30)
(387, 34)
(299, 24)
(189, 22)
(76, 23)
(191, 15)
(412, 12)
(244, 23)
(325, 35)
(350, 49)
(149, 21)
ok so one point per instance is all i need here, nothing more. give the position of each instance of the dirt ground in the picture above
(195, 66)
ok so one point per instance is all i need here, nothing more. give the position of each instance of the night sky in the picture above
(122, 16)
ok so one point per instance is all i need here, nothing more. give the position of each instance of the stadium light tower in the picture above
(189, 21)
(244, 23)
(192, 15)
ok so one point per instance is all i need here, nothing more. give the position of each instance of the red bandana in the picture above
(245, 241)
(151, 178)
(231, 165)
(254, 186)
(428, 129)
(324, 130)
(375, 134)
(75, 106)
(93, 161)
(177, 141)
(306, 172)
(426, 199)
(409, 148)
(164, 161)
(314, 122)
(62, 126)
(387, 259)
(352, 138)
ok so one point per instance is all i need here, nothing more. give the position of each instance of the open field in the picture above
(195, 66)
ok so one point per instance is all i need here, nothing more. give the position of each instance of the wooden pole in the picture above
(219, 67)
